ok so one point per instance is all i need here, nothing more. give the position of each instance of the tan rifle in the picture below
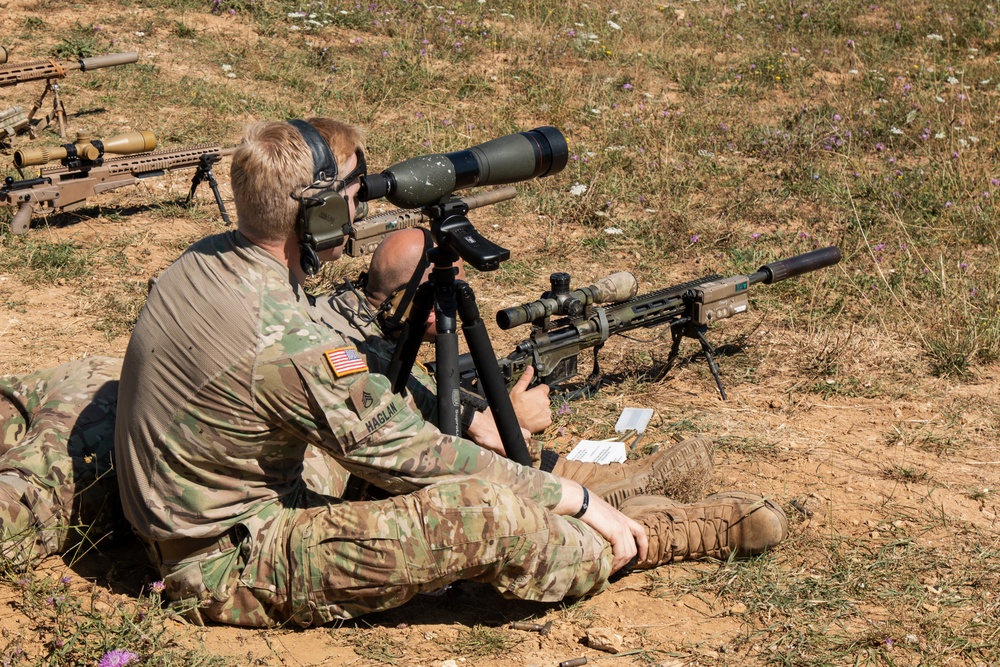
(51, 71)
(84, 172)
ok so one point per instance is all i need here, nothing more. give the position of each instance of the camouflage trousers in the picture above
(57, 482)
(323, 561)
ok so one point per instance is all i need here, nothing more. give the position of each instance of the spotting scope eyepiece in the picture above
(425, 180)
(87, 151)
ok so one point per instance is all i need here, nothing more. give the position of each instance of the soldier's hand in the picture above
(532, 406)
(626, 537)
(484, 433)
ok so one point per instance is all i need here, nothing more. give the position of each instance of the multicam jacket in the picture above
(229, 376)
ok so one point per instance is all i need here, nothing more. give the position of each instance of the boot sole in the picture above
(688, 459)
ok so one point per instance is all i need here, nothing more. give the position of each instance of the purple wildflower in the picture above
(157, 587)
(627, 86)
(755, 235)
(695, 238)
(837, 117)
(564, 409)
(118, 657)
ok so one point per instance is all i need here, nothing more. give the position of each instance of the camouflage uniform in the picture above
(228, 377)
(57, 483)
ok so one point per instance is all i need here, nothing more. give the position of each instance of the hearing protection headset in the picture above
(324, 214)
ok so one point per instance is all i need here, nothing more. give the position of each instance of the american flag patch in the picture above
(345, 360)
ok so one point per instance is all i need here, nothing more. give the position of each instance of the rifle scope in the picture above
(3, 55)
(425, 180)
(562, 302)
(87, 150)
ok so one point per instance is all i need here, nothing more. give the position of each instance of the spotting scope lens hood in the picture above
(425, 180)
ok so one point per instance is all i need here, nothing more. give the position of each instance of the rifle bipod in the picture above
(202, 173)
(690, 330)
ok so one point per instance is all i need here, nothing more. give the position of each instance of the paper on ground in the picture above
(634, 419)
(595, 451)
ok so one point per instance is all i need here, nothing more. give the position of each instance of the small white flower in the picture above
(984, 82)
(895, 130)
(577, 189)
(614, 26)
(963, 143)
(296, 15)
(140, 33)
(595, 111)
(939, 99)
(852, 71)
(939, 135)
(227, 68)
(613, 231)
(230, 75)
(936, 37)
(952, 80)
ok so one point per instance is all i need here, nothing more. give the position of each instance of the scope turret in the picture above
(87, 150)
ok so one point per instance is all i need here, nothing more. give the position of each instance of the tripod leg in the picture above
(712, 366)
(446, 355)
(410, 337)
(489, 375)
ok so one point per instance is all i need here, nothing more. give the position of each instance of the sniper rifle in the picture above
(367, 233)
(85, 172)
(688, 308)
(51, 71)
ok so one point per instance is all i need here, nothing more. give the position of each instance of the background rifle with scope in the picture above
(84, 172)
(51, 71)
(368, 232)
(688, 308)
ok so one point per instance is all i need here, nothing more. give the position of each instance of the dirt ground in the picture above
(852, 464)
(915, 458)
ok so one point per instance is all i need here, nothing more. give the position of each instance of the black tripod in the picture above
(454, 299)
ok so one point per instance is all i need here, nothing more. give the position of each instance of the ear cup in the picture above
(323, 218)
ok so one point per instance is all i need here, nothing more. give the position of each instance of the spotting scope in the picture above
(87, 150)
(423, 181)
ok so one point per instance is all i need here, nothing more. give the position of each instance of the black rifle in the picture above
(554, 346)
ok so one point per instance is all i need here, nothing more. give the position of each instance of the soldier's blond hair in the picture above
(274, 163)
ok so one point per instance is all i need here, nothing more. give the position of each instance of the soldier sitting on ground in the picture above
(217, 407)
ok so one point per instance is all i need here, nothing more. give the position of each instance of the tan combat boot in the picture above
(681, 471)
(733, 522)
